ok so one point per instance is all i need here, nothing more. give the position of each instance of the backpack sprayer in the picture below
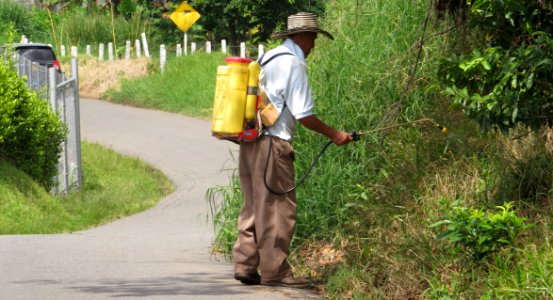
(240, 108)
(236, 100)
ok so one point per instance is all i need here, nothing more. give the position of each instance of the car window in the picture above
(41, 54)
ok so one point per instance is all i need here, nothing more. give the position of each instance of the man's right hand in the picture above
(341, 138)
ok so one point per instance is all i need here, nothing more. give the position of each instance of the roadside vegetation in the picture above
(30, 144)
(114, 186)
(413, 212)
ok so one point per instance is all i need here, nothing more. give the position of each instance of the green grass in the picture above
(187, 86)
(114, 186)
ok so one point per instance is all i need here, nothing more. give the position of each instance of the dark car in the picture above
(39, 53)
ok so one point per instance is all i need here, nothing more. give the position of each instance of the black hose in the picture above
(302, 178)
(355, 137)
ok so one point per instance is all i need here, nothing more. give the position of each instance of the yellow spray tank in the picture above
(229, 105)
(253, 84)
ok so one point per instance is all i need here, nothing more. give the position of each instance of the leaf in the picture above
(439, 223)
(486, 65)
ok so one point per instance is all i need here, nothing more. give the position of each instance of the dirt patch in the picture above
(97, 77)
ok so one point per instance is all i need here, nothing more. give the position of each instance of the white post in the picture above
(260, 50)
(101, 51)
(179, 50)
(24, 39)
(74, 51)
(192, 47)
(62, 50)
(137, 47)
(128, 50)
(88, 50)
(224, 46)
(110, 51)
(145, 44)
(243, 50)
(208, 47)
(162, 57)
(185, 43)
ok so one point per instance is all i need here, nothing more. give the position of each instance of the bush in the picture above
(32, 23)
(30, 133)
(480, 233)
(506, 79)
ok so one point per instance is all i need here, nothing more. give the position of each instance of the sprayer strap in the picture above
(262, 64)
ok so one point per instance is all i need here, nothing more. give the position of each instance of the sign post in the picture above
(184, 17)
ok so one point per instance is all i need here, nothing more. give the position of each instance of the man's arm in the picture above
(338, 137)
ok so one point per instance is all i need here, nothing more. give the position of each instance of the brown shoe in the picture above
(293, 282)
(249, 279)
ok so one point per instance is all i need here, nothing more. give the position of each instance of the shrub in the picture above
(480, 233)
(30, 133)
(506, 79)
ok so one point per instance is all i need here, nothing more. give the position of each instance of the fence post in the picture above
(77, 128)
(208, 47)
(224, 46)
(137, 46)
(145, 44)
(162, 57)
(179, 50)
(185, 43)
(88, 50)
(62, 50)
(192, 47)
(243, 50)
(110, 51)
(128, 50)
(101, 51)
(74, 51)
(260, 50)
(53, 104)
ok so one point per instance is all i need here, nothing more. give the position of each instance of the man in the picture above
(267, 220)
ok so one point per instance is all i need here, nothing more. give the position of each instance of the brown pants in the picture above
(267, 221)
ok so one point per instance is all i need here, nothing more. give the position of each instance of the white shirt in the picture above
(286, 82)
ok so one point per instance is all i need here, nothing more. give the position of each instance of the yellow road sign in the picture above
(184, 16)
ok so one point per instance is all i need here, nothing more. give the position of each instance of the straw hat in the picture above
(301, 22)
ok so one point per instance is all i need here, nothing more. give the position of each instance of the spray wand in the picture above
(356, 135)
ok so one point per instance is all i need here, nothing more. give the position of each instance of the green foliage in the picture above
(30, 133)
(8, 33)
(240, 20)
(503, 87)
(31, 23)
(186, 86)
(80, 27)
(357, 79)
(480, 233)
(225, 203)
(507, 78)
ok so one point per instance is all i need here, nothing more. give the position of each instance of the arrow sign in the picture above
(184, 16)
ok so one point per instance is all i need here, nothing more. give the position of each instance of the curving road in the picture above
(162, 253)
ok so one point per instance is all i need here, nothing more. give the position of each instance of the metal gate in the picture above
(63, 95)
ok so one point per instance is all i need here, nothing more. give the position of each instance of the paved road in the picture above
(162, 253)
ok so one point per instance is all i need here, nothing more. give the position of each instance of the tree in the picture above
(240, 20)
(507, 78)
